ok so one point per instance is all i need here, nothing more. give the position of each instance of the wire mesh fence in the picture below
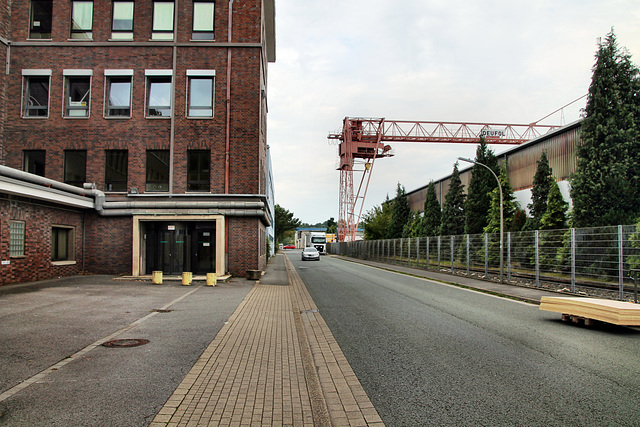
(599, 261)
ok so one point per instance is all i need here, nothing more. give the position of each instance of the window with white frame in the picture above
(162, 20)
(16, 238)
(203, 12)
(118, 93)
(78, 92)
(159, 88)
(122, 22)
(200, 91)
(40, 19)
(62, 243)
(82, 19)
(35, 93)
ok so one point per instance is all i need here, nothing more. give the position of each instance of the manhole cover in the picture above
(131, 342)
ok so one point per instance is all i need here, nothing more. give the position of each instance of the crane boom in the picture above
(361, 141)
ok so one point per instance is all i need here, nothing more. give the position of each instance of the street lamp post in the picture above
(464, 159)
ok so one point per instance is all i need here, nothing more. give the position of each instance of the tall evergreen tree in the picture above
(556, 214)
(542, 182)
(481, 185)
(400, 213)
(606, 183)
(510, 206)
(453, 208)
(432, 216)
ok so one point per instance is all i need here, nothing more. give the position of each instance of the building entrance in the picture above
(176, 247)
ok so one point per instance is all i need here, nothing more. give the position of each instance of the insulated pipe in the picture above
(46, 182)
(183, 205)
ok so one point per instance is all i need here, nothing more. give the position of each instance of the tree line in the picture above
(605, 187)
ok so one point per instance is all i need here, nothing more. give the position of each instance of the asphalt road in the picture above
(433, 354)
(46, 322)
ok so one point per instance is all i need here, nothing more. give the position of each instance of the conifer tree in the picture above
(510, 206)
(481, 185)
(432, 216)
(556, 214)
(453, 208)
(606, 183)
(400, 213)
(542, 182)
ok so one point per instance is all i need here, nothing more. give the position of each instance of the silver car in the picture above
(310, 253)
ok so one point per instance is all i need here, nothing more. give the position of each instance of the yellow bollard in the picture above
(211, 279)
(156, 277)
(186, 278)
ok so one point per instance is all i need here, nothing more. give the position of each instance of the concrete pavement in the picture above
(274, 363)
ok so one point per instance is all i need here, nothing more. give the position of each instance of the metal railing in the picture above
(596, 261)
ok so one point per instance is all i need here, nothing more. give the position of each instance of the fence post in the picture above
(508, 256)
(573, 260)
(486, 255)
(621, 262)
(537, 240)
(409, 251)
(417, 252)
(452, 239)
(468, 252)
(439, 240)
(428, 242)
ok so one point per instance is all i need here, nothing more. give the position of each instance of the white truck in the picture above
(319, 241)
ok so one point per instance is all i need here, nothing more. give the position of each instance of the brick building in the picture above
(158, 108)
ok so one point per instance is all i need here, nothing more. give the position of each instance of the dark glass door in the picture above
(203, 250)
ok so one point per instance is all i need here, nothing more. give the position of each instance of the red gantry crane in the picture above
(362, 141)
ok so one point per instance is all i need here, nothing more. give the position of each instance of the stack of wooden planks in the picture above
(616, 312)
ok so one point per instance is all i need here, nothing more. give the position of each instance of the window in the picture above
(34, 162)
(75, 167)
(158, 93)
(162, 20)
(200, 91)
(16, 238)
(61, 243)
(81, 19)
(40, 19)
(202, 20)
(35, 101)
(157, 170)
(122, 24)
(78, 92)
(118, 93)
(198, 170)
(115, 172)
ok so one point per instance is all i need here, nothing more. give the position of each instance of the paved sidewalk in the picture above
(274, 363)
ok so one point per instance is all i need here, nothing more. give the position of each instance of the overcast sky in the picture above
(504, 61)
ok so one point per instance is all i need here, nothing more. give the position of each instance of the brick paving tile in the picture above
(260, 370)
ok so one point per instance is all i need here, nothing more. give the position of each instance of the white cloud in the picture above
(428, 60)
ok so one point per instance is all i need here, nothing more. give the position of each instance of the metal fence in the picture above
(599, 259)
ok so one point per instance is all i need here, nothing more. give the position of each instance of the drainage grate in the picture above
(130, 342)
(161, 310)
(309, 311)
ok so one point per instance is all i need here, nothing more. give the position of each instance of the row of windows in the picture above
(117, 93)
(122, 19)
(116, 169)
(62, 238)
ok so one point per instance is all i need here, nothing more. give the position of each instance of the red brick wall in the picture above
(244, 245)
(109, 245)
(36, 263)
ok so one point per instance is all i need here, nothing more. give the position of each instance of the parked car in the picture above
(289, 247)
(310, 253)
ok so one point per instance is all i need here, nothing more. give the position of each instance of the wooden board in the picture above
(616, 312)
